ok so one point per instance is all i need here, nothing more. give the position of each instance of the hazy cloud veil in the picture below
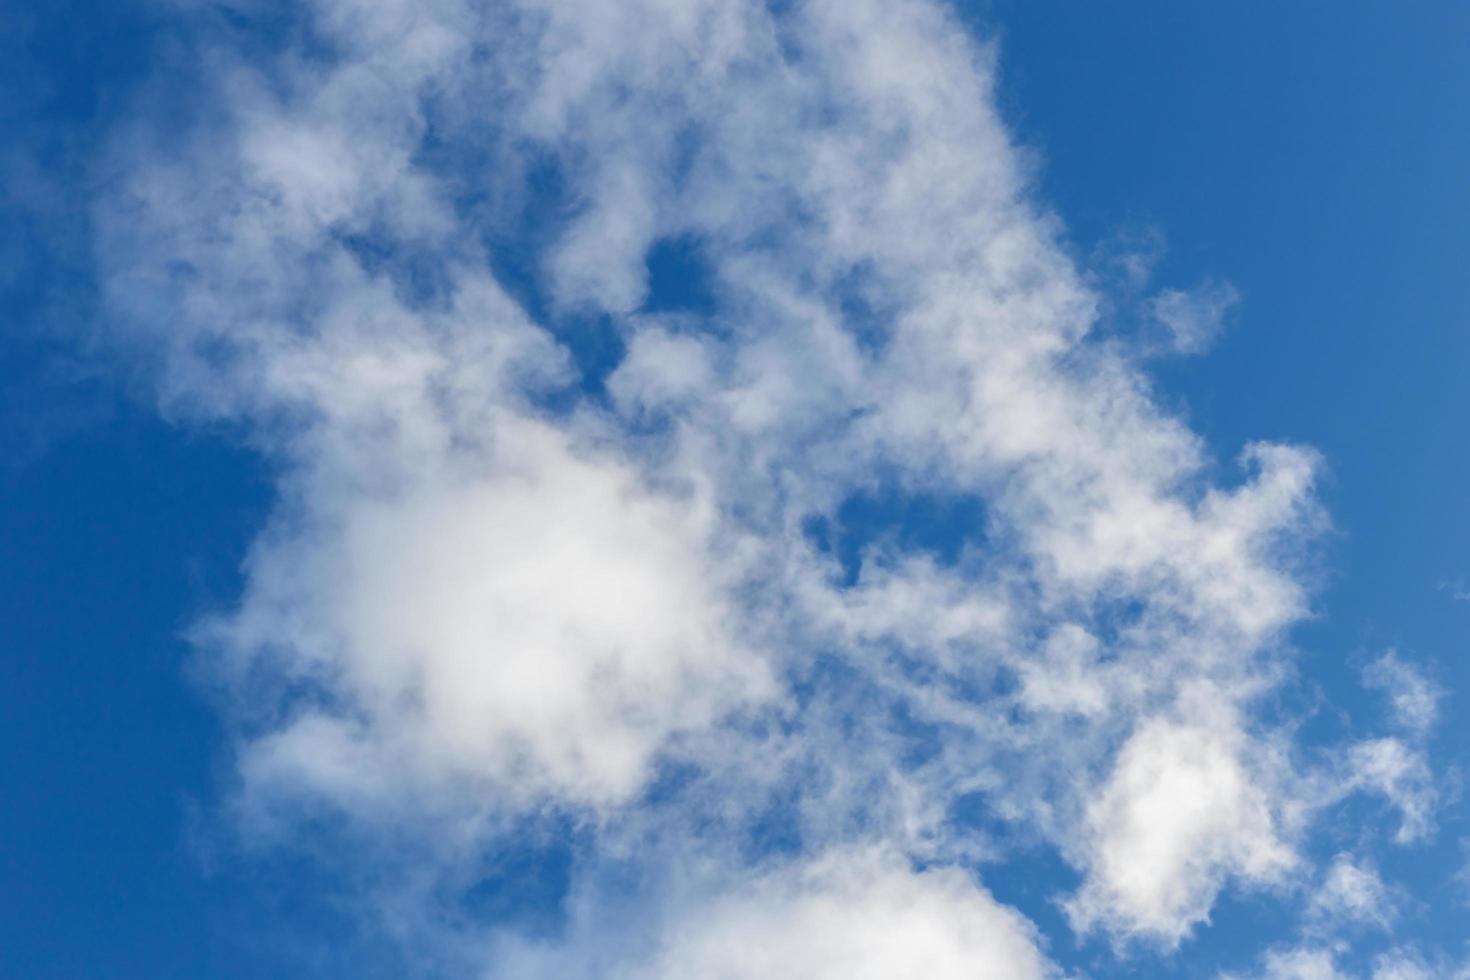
(557, 548)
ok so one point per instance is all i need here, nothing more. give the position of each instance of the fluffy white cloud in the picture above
(1181, 811)
(499, 583)
(860, 915)
(541, 622)
(864, 914)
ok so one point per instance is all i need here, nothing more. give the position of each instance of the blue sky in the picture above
(266, 466)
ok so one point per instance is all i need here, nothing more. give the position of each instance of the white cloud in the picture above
(540, 621)
(1351, 892)
(1181, 812)
(1414, 699)
(1400, 773)
(861, 914)
(1305, 963)
(852, 916)
(485, 590)
(1405, 964)
(1322, 963)
(1195, 317)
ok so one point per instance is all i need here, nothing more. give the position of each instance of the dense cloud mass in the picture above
(556, 541)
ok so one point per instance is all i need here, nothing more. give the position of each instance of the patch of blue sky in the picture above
(894, 520)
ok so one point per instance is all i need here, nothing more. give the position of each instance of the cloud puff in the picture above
(854, 915)
(1415, 700)
(1195, 317)
(853, 912)
(1180, 812)
(1322, 963)
(1401, 964)
(1300, 964)
(1351, 892)
(541, 623)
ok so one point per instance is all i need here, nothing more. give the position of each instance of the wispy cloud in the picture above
(1413, 697)
(1194, 317)
(1351, 893)
(1456, 588)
